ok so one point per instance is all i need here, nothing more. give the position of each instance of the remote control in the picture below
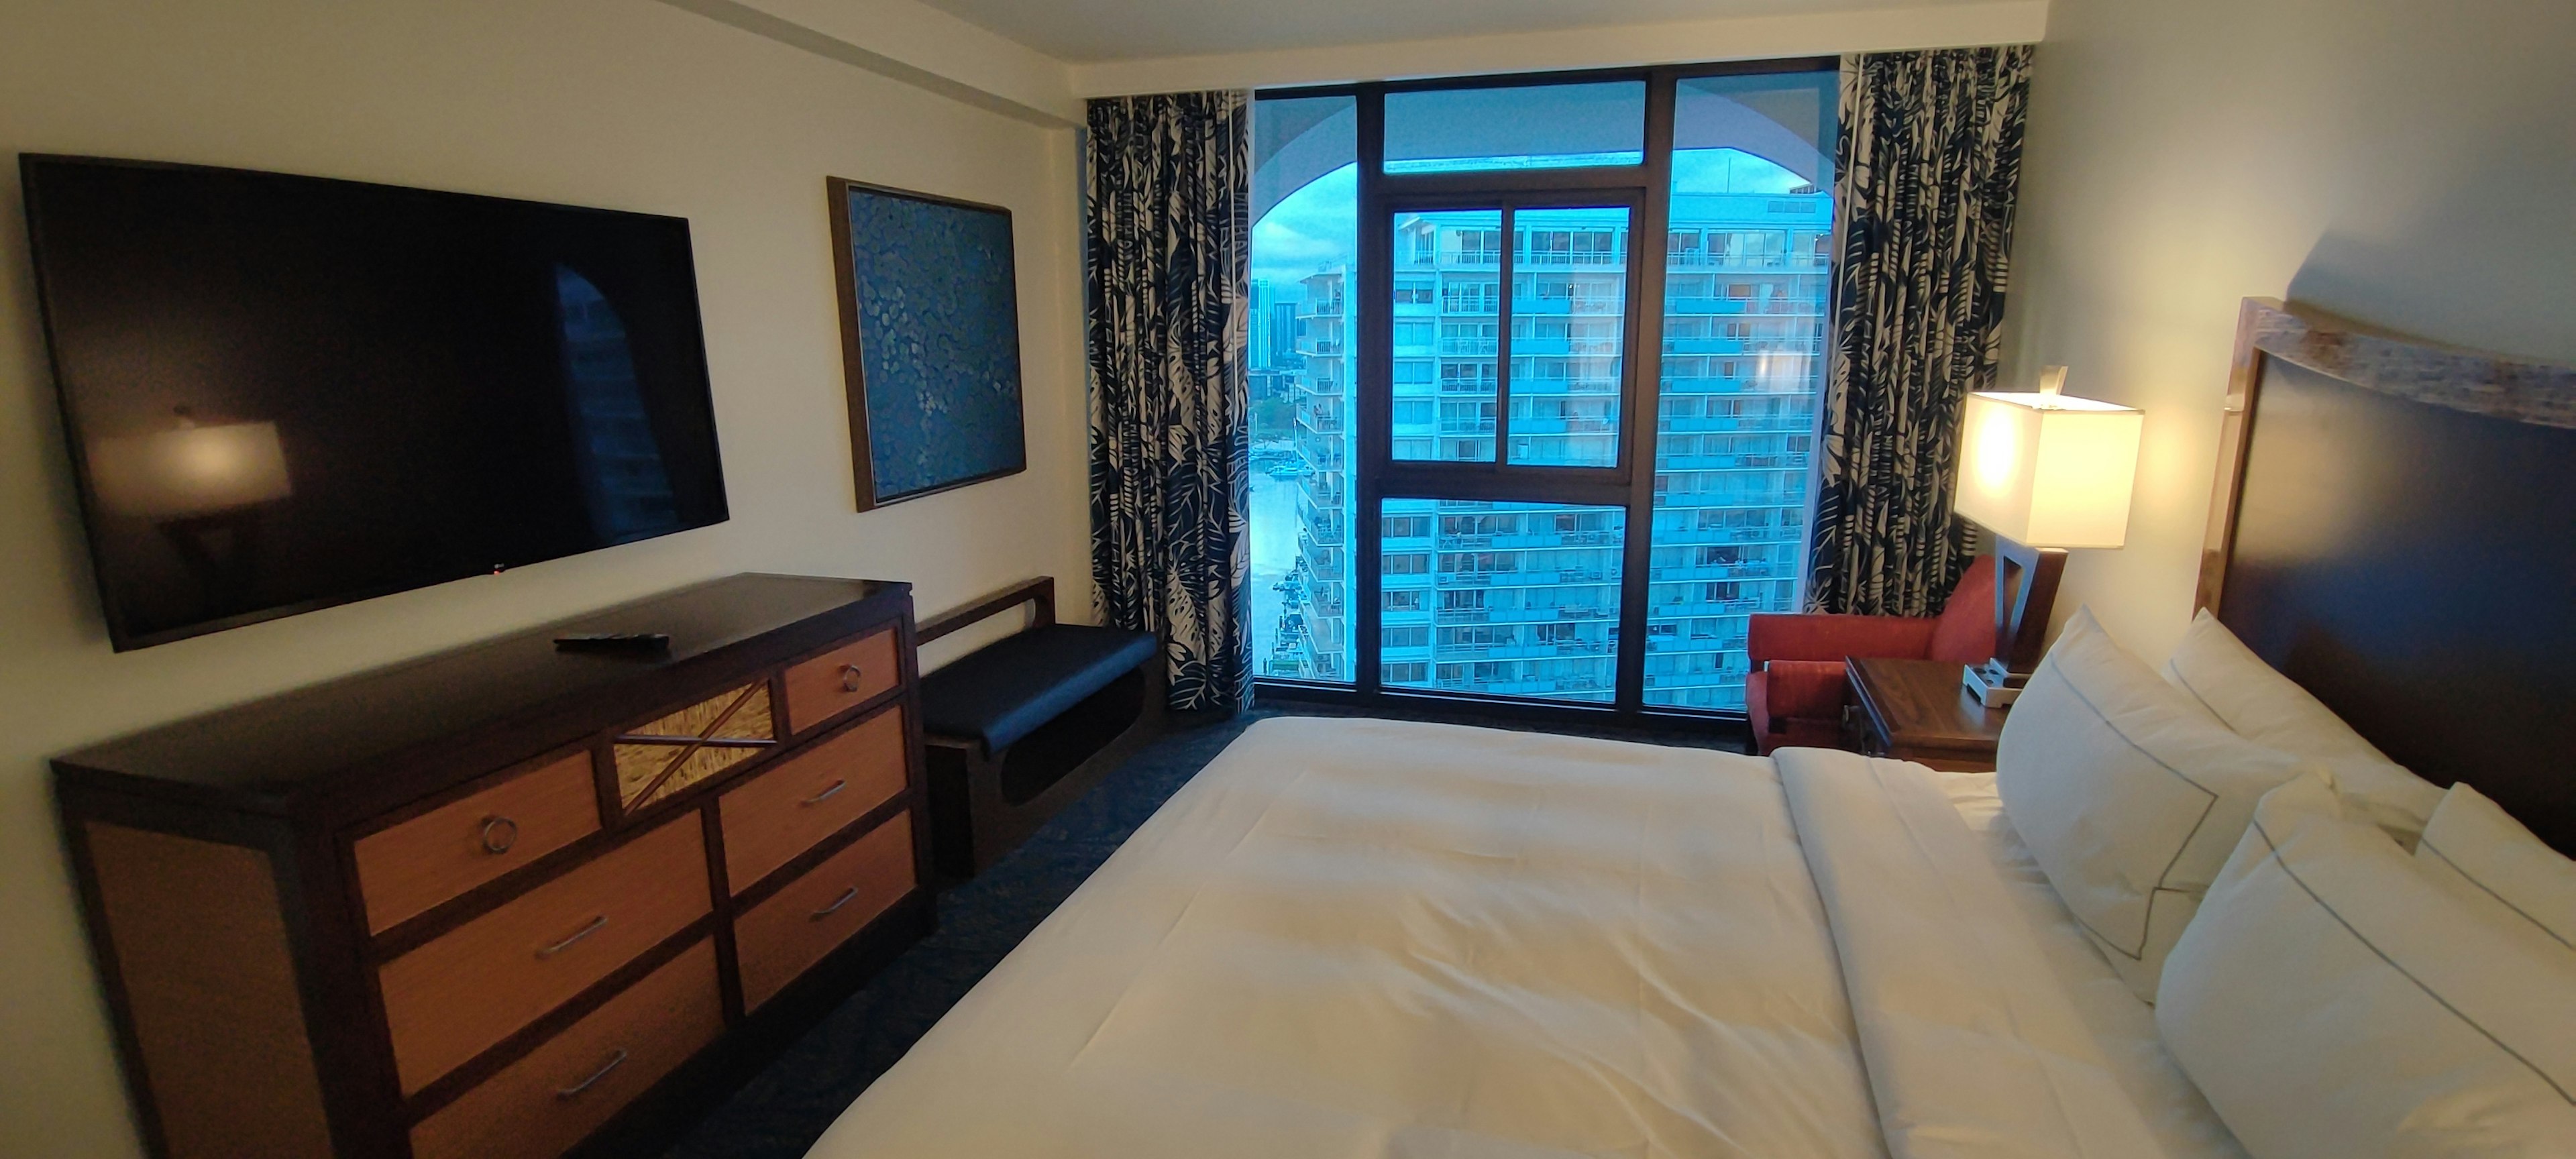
(616, 643)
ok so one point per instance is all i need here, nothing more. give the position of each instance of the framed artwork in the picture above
(930, 341)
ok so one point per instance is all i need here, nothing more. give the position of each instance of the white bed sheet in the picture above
(1370, 938)
(2123, 1027)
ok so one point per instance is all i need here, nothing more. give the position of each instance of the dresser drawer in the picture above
(405, 870)
(658, 759)
(783, 936)
(845, 677)
(788, 808)
(469, 988)
(542, 1104)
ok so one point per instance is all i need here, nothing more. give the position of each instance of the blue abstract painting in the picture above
(938, 342)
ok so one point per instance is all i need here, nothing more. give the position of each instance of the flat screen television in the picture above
(283, 393)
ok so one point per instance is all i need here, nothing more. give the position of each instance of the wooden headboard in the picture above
(2395, 528)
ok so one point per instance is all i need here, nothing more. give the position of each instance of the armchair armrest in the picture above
(1828, 637)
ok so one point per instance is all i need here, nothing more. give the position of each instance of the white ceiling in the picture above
(1099, 30)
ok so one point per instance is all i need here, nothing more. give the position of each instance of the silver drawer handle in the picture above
(850, 677)
(835, 907)
(827, 794)
(499, 834)
(574, 1091)
(566, 944)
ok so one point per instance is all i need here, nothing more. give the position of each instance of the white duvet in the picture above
(1368, 938)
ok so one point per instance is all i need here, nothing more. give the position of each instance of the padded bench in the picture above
(1019, 728)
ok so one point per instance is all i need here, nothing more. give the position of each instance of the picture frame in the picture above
(930, 345)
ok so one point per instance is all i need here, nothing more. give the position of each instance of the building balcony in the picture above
(1533, 578)
(1706, 609)
(1698, 307)
(1779, 424)
(1674, 345)
(1767, 307)
(1576, 649)
(1729, 462)
(1700, 537)
(1698, 260)
(1718, 571)
(1560, 261)
(1530, 425)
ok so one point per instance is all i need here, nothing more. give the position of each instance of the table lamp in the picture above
(2045, 473)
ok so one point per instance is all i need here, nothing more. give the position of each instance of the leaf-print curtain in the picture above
(1168, 233)
(1929, 163)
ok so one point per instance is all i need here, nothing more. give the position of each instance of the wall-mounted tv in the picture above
(283, 393)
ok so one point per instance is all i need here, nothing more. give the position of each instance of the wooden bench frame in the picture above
(996, 825)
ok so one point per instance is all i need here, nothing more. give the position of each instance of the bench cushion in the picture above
(1005, 690)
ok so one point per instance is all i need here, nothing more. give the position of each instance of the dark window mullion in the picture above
(1643, 398)
(1372, 321)
(1572, 180)
(1504, 487)
(1503, 342)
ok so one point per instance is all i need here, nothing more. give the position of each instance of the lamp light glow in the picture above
(190, 471)
(2048, 470)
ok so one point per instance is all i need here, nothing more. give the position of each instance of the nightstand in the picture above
(1916, 710)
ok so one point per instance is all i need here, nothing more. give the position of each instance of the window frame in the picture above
(1645, 189)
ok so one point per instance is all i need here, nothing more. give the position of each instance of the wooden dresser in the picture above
(506, 902)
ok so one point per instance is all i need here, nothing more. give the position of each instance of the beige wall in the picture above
(2408, 163)
(618, 103)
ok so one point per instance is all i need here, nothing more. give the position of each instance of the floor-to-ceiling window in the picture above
(1500, 447)
(1305, 251)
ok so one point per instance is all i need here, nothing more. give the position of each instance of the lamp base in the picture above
(1995, 685)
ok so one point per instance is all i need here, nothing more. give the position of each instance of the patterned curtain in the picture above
(1929, 163)
(1169, 187)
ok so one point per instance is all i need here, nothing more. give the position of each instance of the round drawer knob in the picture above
(850, 677)
(499, 834)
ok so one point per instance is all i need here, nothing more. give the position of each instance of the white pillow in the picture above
(2128, 792)
(2334, 1003)
(2266, 707)
(2478, 851)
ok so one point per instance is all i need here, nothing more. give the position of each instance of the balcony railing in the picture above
(1545, 258)
(1705, 260)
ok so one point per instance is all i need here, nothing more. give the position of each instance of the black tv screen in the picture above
(283, 393)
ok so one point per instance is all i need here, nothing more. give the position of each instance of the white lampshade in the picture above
(2046, 470)
(190, 470)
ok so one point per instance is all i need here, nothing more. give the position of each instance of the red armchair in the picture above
(1796, 692)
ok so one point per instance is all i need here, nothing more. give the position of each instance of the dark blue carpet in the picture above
(782, 1110)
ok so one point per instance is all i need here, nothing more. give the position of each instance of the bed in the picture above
(1536, 945)
(1371, 938)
